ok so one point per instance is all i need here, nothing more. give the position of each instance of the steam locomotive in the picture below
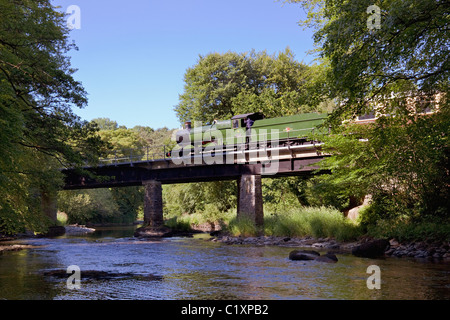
(252, 128)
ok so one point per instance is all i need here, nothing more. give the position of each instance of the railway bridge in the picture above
(245, 165)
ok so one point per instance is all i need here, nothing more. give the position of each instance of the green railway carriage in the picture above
(286, 130)
(295, 127)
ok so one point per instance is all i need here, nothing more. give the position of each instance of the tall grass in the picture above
(318, 222)
(243, 226)
(185, 222)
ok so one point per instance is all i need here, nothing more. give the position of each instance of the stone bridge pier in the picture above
(153, 204)
(153, 211)
(250, 201)
(249, 206)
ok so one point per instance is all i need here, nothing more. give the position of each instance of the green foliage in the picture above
(114, 205)
(182, 198)
(211, 213)
(408, 54)
(407, 229)
(106, 124)
(279, 193)
(138, 143)
(62, 218)
(129, 201)
(242, 226)
(199, 197)
(352, 167)
(222, 85)
(401, 162)
(39, 132)
(86, 206)
(123, 141)
(319, 222)
(179, 224)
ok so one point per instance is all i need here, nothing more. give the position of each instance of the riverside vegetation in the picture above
(401, 159)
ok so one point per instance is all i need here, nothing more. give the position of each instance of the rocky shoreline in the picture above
(371, 248)
(364, 247)
(6, 242)
(15, 247)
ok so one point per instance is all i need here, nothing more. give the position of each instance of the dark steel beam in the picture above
(134, 174)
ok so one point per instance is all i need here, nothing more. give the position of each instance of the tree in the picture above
(124, 203)
(84, 206)
(196, 197)
(123, 142)
(403, 166)
(222, 85)
(399, 70)
(106, 123)
(40, 133)
(287, 87)
(408, 56)
(211, 85)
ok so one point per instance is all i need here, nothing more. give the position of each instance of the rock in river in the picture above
(303, 255)
(328, 257)
(101, 275)
(312, 255)
(55, 231)
(371, 249)
(153, 232)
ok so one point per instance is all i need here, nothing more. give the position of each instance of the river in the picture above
(196, 268)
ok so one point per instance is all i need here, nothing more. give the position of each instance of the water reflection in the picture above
(18, 279)
(194, 268)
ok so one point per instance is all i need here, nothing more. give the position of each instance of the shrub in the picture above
(408, 230)
(178, 223)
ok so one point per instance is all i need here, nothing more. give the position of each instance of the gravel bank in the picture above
(419, 250)
(75, 230)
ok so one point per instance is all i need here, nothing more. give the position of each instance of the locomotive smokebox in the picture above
(183, 136)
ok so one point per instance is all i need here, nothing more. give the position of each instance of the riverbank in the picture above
(436, 251)
(14, 247)
(7, 242)
(425, 250)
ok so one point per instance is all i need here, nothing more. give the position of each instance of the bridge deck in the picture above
(204, 166)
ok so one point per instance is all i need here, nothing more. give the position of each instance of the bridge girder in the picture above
(122, 175)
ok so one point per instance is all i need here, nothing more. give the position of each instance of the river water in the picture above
(195, 268)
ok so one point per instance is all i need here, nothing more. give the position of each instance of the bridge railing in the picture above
(148, 153)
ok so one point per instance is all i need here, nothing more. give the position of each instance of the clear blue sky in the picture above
(133, 54)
